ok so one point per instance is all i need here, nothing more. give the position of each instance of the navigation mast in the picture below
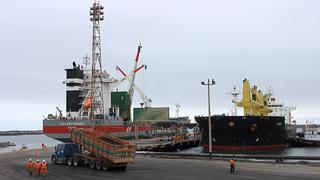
(96, 14)
(234, 93)
(178, 106)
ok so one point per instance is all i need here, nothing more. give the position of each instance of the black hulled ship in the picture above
(243, 132)
(258, 129)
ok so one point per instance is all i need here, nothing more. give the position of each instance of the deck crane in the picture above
(131, 90)
(146, 101)
(126, 76)
(60, 112)
(131, 77)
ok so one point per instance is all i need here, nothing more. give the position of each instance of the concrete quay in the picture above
(12, 166)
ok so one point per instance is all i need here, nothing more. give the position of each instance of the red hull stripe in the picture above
(244, 148)
(105, 129)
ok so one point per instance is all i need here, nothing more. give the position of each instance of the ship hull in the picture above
(243, 133)
(59, 129)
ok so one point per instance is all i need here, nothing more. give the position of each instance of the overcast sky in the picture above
(271, 42)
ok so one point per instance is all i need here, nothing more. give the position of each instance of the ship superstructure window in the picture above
(73, 84)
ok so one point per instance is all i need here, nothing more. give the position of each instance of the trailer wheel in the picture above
(70, 161)
(98, 165)
(92, 164)
(105, 165)
(76, 162)
(54, 160)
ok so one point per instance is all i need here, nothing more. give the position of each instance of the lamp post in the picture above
(212, 82)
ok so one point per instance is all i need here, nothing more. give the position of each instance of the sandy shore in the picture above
(12, 166)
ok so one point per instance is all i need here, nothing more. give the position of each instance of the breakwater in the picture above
(6, 144)
(15, 133)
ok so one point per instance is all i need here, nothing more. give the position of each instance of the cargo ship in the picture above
(262, 127)
(93, 100)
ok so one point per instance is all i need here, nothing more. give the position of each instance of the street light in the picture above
(209, 114)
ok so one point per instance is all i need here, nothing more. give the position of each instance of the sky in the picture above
(270, 42)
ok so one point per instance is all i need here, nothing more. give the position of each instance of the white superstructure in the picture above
(279, 109)
(104, 99)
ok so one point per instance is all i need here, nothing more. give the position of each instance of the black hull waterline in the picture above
(236, 133)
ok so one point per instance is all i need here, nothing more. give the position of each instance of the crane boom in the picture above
(60, 112)
(119, 69)
(147, 101)
(131, 90)
(139, 68)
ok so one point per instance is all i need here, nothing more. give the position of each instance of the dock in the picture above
(167, 144)
(302, 142)
(16, 133)
(154, 168)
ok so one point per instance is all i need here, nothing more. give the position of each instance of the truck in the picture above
(98, 150)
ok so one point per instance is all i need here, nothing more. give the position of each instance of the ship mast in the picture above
(96, 14)
(234, 93)
(178, 106)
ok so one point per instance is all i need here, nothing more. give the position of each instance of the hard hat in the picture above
(30, 160)
(44, 161)
(37, 160)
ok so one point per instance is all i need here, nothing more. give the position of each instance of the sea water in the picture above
(35, 141)
(306, 151)
(30, 141)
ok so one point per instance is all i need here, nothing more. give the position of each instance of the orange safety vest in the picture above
(231, 162)
(44, 167)
(38, 165)
(30, 165)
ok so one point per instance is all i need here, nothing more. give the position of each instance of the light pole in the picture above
(209, 114)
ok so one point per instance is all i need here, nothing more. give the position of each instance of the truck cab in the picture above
(63, 152)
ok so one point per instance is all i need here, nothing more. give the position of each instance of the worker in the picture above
(232, 164)
(38, 167)
(43, 146)
(44, 168)
(30, 166)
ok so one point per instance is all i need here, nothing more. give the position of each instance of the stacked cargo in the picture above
(104, 149)
(120, 101)
(151, 113)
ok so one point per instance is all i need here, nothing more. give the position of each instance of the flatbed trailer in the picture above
(96, 149)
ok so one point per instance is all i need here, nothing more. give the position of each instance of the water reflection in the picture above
(310, 151)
